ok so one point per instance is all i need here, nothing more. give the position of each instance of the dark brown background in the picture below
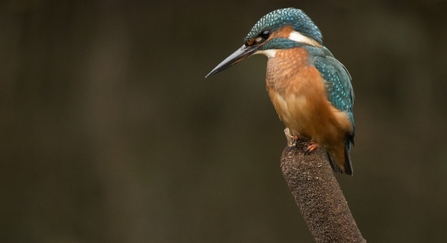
(110, 133)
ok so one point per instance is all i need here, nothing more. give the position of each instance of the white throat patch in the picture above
(268, 53)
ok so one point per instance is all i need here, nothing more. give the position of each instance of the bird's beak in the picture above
(238, 56)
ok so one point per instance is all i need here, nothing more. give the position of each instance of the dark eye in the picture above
(265, 34)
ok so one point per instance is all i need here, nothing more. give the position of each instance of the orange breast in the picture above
(298, 94)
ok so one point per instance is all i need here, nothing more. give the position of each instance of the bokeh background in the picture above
(110, 133)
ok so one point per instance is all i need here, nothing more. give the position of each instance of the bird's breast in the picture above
(285, 66)
(296, 90)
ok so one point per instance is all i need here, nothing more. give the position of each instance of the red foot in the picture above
(311, 147)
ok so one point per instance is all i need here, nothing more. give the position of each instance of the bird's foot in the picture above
(291, 139)
(312, 146)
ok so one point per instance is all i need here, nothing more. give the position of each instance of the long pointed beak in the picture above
(238, 56)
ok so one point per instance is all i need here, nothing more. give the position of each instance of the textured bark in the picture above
(318, 195)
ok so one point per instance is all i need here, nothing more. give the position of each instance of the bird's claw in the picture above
(312, 146)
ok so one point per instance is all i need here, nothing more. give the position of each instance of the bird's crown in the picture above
(274, 20)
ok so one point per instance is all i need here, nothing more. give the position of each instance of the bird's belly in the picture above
(311, 117)
(294, 111)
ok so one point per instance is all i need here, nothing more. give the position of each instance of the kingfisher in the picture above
(310, 90)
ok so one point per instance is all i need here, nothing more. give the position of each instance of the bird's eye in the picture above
(265, 34)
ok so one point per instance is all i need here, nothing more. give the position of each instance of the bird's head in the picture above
(281, 29)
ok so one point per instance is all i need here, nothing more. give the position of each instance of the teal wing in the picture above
(339, 91)
(337, 81)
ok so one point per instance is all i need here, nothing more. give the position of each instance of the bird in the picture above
(309, 88)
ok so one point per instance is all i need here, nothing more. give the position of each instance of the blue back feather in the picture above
(337, 80)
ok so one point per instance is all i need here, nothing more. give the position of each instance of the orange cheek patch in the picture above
(250, 42)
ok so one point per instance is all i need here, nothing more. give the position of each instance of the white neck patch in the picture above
(298, 37)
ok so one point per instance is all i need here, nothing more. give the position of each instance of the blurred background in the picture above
(110, 133)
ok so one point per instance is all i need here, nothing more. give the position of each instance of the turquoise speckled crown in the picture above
(287, 16)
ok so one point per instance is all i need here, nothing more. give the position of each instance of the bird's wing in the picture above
(337, 81)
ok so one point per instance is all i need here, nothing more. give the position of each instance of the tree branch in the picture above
(318, 195)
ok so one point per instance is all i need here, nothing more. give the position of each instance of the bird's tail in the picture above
(339, 157)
